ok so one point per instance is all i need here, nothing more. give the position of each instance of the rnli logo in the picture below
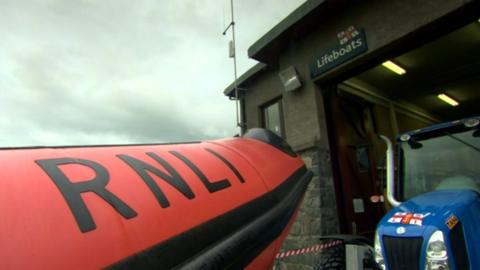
(345, 36)
(408, 218)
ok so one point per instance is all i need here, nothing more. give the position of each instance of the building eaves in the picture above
(244, 78)
(302, 20)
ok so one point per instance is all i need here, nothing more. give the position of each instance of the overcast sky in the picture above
(118, 71)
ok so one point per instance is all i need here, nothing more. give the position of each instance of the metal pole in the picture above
(237, 100)
(235, 84)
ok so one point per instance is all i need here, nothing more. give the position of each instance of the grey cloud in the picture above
(99, 72)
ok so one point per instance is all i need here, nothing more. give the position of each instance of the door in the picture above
(352, 133)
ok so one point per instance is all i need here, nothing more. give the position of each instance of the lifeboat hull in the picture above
(224, 204)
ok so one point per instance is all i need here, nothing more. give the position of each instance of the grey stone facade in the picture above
(317, 215)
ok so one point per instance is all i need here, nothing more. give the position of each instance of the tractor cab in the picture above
(435, 222)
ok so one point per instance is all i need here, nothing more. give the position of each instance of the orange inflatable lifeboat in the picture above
(224, 204)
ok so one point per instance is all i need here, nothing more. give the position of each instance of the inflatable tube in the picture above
(224, 204)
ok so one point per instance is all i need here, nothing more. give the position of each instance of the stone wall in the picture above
(317, 215)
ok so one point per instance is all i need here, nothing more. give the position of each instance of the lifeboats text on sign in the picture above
(351, 43)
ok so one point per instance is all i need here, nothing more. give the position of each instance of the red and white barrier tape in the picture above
(314, 248)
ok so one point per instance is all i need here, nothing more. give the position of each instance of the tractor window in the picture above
(449, 161)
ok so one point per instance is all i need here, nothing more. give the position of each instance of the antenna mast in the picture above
(233, 55)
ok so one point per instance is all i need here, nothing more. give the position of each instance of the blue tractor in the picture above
(435, 222)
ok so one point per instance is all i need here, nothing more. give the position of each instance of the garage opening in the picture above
(436, 82)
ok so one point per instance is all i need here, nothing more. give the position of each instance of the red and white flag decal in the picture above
(408, 218)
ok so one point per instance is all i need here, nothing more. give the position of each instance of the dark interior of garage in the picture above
(448, 65)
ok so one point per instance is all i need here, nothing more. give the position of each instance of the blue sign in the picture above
(351, 43)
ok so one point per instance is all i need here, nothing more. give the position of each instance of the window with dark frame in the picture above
(272, 117)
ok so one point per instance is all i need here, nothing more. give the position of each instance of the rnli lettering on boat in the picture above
(72, 191)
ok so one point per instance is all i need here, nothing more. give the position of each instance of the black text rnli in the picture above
(71, 190)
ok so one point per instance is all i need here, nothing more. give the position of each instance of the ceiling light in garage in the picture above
(394, 67)
(445, 98)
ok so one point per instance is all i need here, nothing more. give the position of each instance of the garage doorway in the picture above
(353, 133)
(380, 101)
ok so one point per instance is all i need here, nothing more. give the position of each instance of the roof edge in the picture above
(245, 77)
(292, 19)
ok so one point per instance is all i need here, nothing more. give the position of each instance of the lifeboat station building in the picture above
(333, 75)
